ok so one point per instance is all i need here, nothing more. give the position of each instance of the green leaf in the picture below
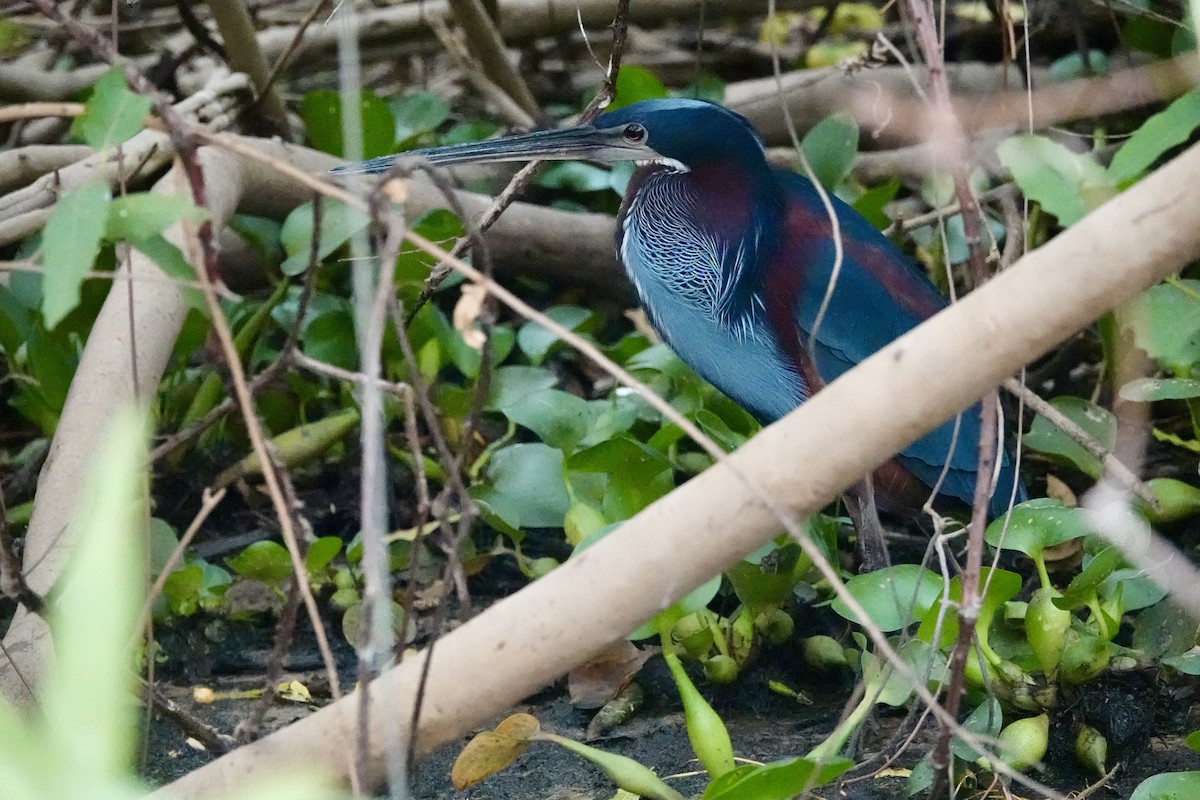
(635, 84)
(216, 581)
(691, 602)
(1137, 590)
(413, 265)
(1150, 35)
(526, 486)
(873, 201)
(338, 223)
(559, 419)
(265, 561)
(139, 216)
(1066, 184)
(893, 597)
(1165, 321)
(171, 261)
(921, 777)
(535, 341)
(985, 722)
(330, 338)
(1193, 740)
(51, 362)
(1163, 631)
(182, 590)
(718, 430)
(1148, 390)
(321, 552)
(612, 416)
(1001, 586)
(113, 113)
(418, 113)
(70, 244)
(777, 780)
(514, 383)
(634, 475)
(1085, 585)
(161, 542)
(467, 358)
(1167, 129)
(471, 130)
(1034, 525)
(85, 700)
(1099, 422)
(321, 111)
(15, 324)
(768, 581)
(706, 87)
(888, 686)
(830, 147)
(1168, 786)
(1188, 663)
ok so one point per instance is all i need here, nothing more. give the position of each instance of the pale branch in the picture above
(487, 44)
(244, 55)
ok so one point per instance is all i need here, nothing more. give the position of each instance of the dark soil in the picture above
(1144, 719)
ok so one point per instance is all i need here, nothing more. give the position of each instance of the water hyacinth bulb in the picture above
(1023, 743)
(1046, 627)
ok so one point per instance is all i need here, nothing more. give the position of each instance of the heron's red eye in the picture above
(634, 132)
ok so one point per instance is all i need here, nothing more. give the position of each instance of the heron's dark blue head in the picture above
(682, 134)
(686, 133)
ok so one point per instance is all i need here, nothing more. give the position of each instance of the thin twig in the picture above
(203, 256)
(39, 110)
(285, 57)
(948, 130)
(509, 108)
(213, 740)
(1112, 465)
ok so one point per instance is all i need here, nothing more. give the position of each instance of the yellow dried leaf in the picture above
(491, 751)
(295, 691)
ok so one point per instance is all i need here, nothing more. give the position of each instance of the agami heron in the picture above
(732, 260)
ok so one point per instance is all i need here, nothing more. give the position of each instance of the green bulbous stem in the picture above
(706, 731)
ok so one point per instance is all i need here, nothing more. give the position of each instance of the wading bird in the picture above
(733, 261)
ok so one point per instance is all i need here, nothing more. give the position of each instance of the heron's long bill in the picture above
(583, 143)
